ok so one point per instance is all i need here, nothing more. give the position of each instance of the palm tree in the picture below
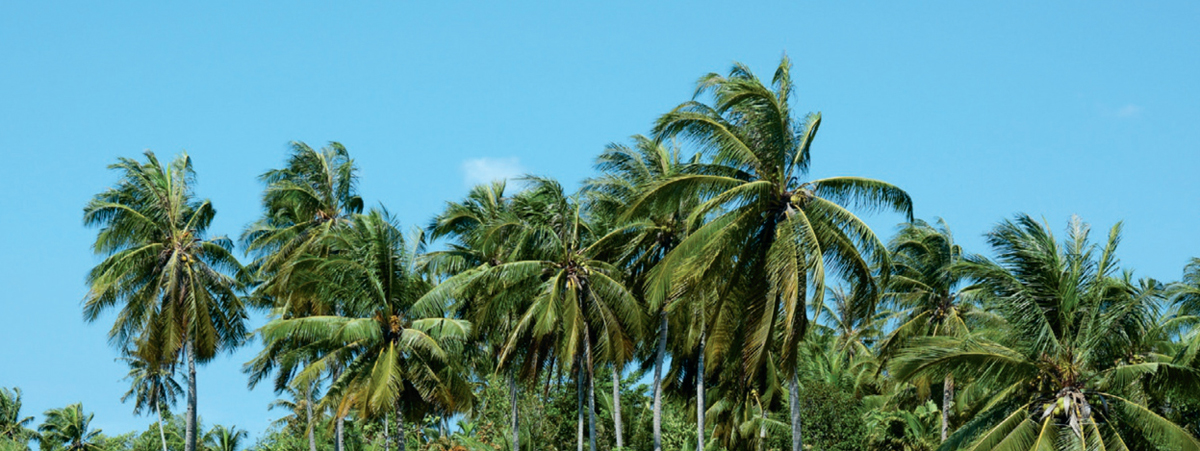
(934, 299)
(176, 289)
(221, 438)
(302, 417)
(152, 385)
(643, 238)
(767, 234)
(68, 429)
(580, 307)
(1185, 296)
(475, 245)
(311, 197)
(13, 426)
(394, 358)
(1069, 371)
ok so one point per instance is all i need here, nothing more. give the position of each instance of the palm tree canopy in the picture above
(762, 230)
(171, 283)
(391, 354)
(13, 426)
(1072, 367)
(312, 195)
(68, 429)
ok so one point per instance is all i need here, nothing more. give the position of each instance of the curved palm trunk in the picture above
(189, 435)
(512, 396)
(312, 439)
(387, 436)
(700, 405)
(161, 433)
(658, 367)
(794, 395)
(947, 404)
(617, 407)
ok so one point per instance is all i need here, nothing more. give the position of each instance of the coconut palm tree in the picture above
(311, 197)
(68, 429)
(152, 385)
(1069, 373)
(478, 242)
(641, 239)
(580, 306)
(394, 358)
(303, 415)
(221, 438)
(1185, 297)
(176, 289)
(767, 234)
(13, 426)
(933, 298)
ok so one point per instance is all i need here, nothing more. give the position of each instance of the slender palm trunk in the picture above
(947, 404)
(339, 425)
(400, 441)
(700, 404)
(312, 439)
(161, 433)
(579, 410)
(762, 426)
(658, 389)
(339, 430)
(189, 435)
(794, 397)
(591, 381)
(617, 406)
(512, 396)
(387, 436)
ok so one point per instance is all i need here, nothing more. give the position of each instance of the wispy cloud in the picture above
(1126, 111)
(485, 170)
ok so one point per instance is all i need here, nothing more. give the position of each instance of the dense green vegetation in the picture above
(699, 292)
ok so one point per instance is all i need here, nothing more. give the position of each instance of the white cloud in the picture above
(1126, 111)
(1129, 110)
(485, 170)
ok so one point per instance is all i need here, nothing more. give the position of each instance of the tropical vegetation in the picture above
(702, 291)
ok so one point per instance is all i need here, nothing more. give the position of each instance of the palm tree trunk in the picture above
(387, 436)
(591, 381)
(400, 441)
(579, 410)
(700, 391)
(617, 407)
(340, 430)
(658, 389)
(312, 439)
(762, 426)
(189, 435)
(947, 403)
(339, 426)
(512, 396)
(794, 397)
(161, 433)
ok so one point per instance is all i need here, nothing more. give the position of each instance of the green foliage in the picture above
(14, 428)
(833, 419)
(69, 429)
(705, 251)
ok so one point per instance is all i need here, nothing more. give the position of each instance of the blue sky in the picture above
(979, 109)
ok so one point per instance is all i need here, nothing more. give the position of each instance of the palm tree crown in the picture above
(1069, 370)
